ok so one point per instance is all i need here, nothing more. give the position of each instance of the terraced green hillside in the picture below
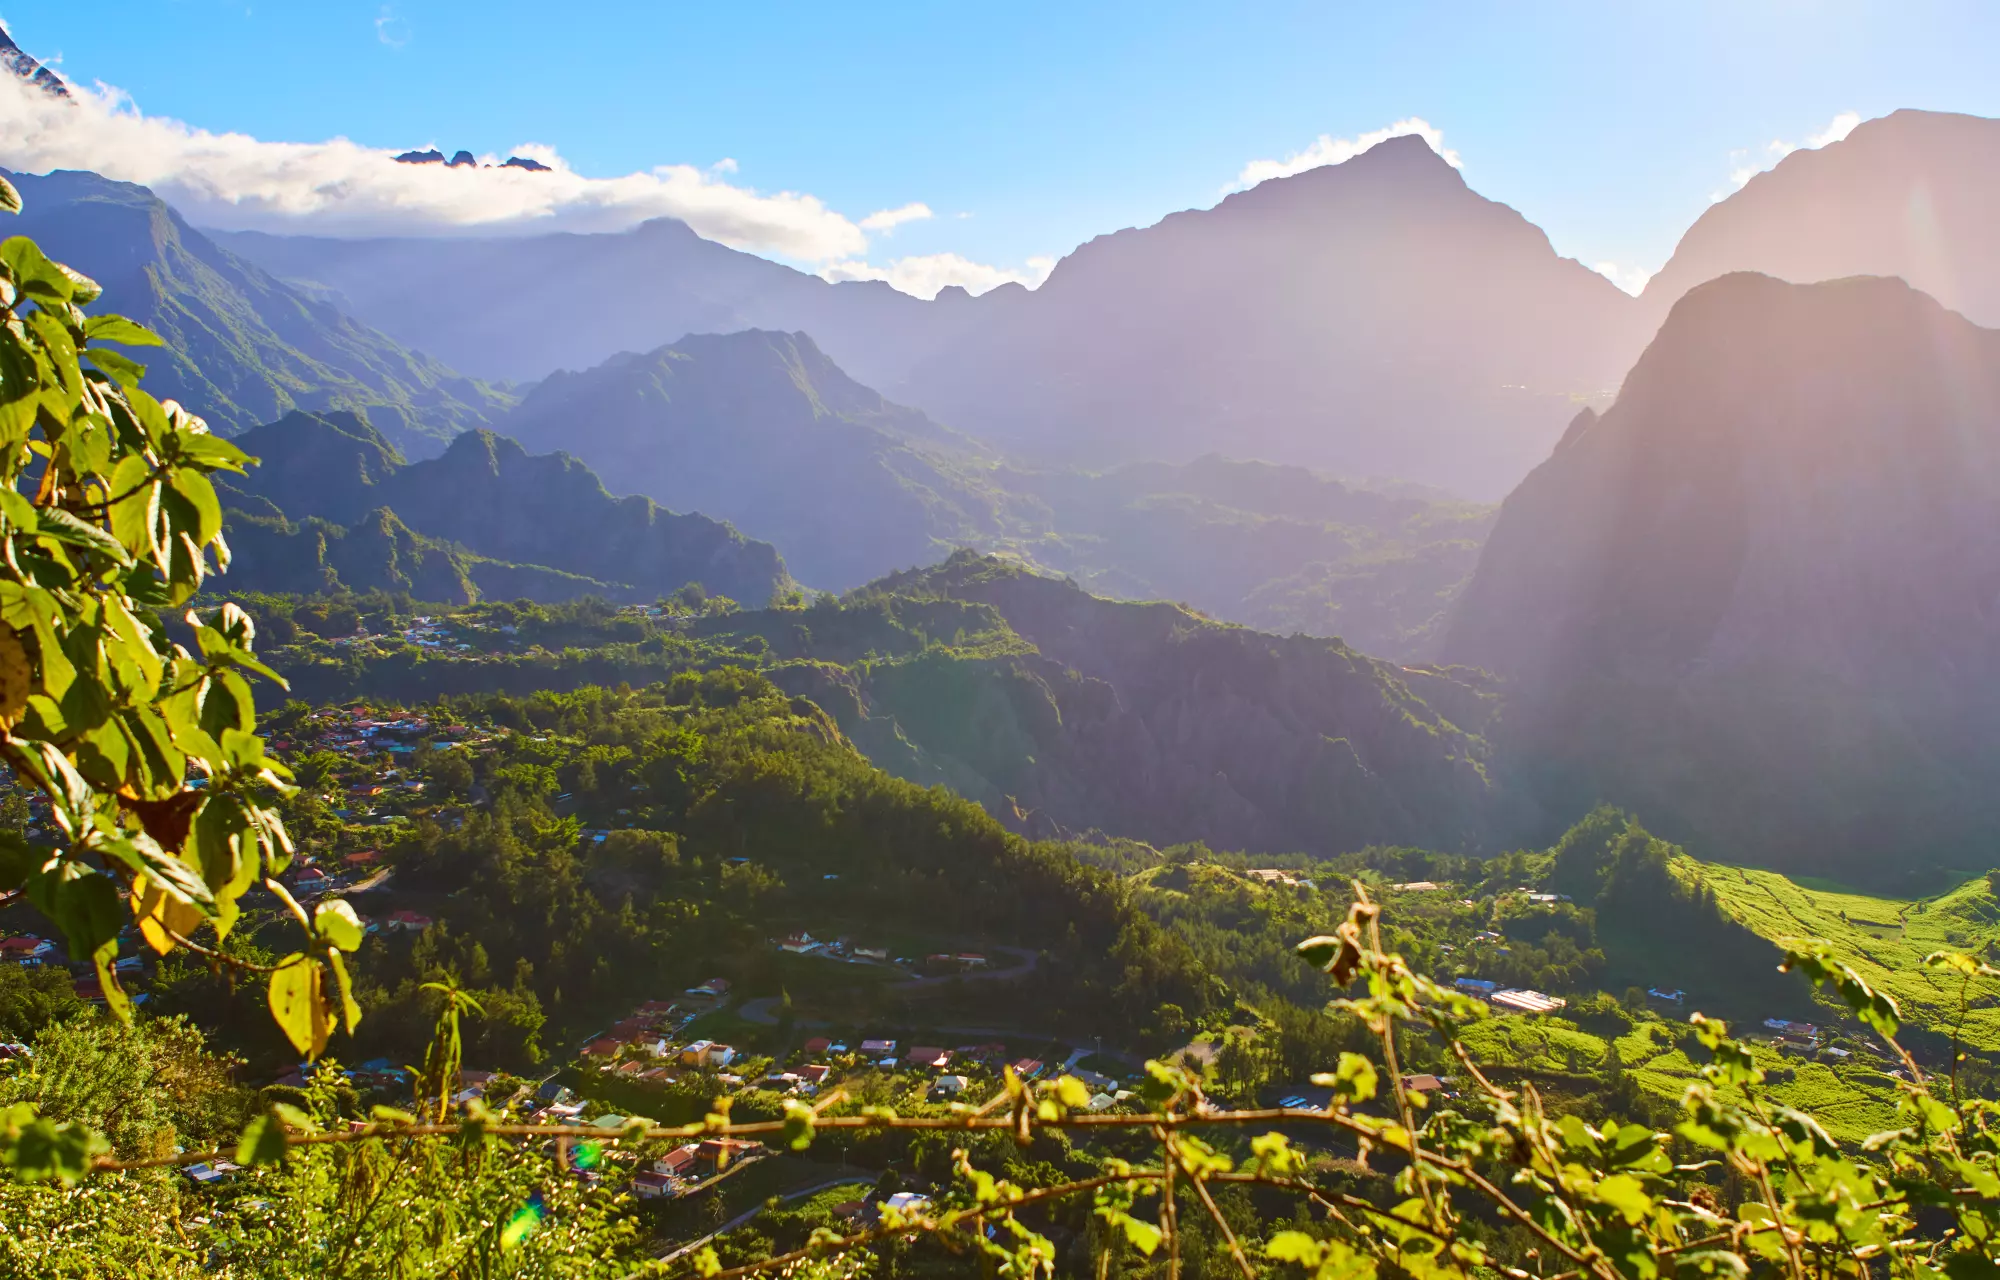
(1885, 939)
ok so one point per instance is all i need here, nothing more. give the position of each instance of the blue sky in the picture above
(1026, 128)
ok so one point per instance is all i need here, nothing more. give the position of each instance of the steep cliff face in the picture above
(1762, 592)
(1149, 721)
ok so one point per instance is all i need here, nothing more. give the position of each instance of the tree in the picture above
(159, 787)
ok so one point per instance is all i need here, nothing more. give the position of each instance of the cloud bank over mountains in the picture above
(236, 182)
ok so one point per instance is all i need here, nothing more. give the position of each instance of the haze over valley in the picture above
(663, 724)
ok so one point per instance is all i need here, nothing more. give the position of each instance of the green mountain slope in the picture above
(242, 347)
(1065, 712)
(1885, 939)
(484, 519)
(762, 430)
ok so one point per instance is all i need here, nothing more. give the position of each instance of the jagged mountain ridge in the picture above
(1759, 598)
(496, 520)
(242, 347)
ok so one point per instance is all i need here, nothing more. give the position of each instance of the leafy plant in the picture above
(157, 782)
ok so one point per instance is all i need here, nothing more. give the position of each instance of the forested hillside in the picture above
(325, 509)
(1061, 712)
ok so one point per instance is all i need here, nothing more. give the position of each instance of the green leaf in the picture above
(1295, 1246)
(83, 902)
(142, 853)
(33, 272)
(1355, 1081)
(200, 494)
(124, 370)
(1145, 1237)
(1627, 1195)
(64, 527)
(293, 1117)
(39, 1150)
(798, 1131)
(1320, 951)
(1072, 1093)
(119, 329)
(263, 1143)
(334, 920)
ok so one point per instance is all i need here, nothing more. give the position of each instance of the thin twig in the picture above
(1228, 1236)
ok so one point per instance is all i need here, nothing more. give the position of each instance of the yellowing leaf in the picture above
(335, 921)
(298, 1006)
(350, 1011)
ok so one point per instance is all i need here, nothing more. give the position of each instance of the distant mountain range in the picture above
(243, 348)
(1375, 318)
(1758, 599)
(333, 505)
(763, 430)
(483, 304)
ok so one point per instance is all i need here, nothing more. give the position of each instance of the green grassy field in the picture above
(1853, 1099)
(1884, 939)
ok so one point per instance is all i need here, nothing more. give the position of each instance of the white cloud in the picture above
(391, 30)
(925, 275)
(1743, 167)
(234, 181)
(1837, 128)
(1327, 149)
(887, 220)
(1630, 279)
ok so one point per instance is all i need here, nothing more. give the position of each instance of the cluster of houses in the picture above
(801, 943)
(1510, 999)
(421, 632)
(686, 1167)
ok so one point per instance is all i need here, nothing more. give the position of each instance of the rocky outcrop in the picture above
(17, 61)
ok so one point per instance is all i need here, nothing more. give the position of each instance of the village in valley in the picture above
(369, 774)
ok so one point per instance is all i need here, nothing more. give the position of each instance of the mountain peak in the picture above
(1777, 545)
(1909, 194)
(16, 60)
